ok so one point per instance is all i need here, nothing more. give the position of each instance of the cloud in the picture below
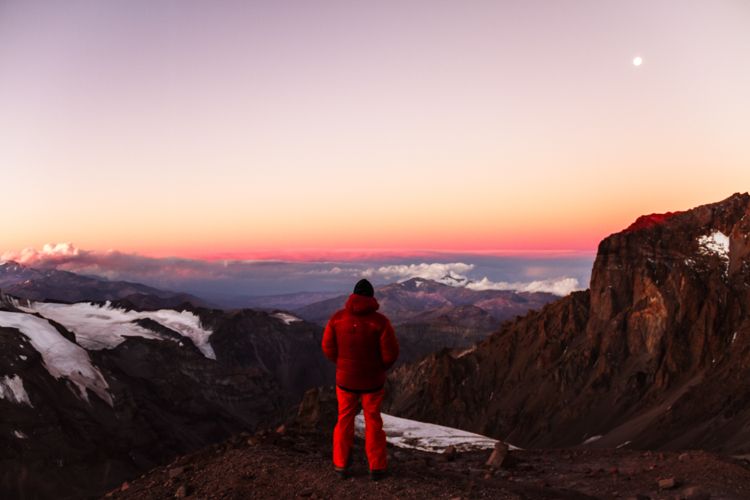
(51, 253)
(433, 271)
(269, 276)
(558, 286)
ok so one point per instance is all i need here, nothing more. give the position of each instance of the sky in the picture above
(376, 133)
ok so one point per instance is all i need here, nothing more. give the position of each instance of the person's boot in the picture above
(342, 472)
(377, 474)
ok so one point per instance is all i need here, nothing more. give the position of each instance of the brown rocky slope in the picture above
(294, 461)
(656, 355)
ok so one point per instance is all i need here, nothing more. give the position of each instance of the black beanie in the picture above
(364, 287)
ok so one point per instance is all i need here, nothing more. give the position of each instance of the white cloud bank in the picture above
(433, 271)
(266, 277)
(458, 270)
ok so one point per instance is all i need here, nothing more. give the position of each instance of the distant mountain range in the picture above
(63, 286)
(428, 315)
(402, 302)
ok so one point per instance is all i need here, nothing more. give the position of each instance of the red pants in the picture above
(343, 435)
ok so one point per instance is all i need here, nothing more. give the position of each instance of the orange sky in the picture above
(197, 129)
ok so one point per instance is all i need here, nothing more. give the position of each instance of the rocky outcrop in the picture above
(654, 355)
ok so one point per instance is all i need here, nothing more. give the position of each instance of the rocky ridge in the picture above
(652, 356)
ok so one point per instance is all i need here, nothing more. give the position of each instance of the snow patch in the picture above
(716, 243)
(453, 280)
(62, 358)
(592, 439)
(285, 317)
(105, 327)
(406, 433)
(12, 390)
(467, 351)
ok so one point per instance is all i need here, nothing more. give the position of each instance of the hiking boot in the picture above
(341, 472)
(377, 475)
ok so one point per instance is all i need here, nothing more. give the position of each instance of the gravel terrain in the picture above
(296, 464)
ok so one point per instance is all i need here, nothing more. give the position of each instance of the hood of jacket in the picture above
(360, 304)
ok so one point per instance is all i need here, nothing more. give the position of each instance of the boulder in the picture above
(319, 409)
(499, 455)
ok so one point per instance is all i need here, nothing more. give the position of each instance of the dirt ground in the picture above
(296, 464)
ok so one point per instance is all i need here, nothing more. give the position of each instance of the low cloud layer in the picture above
(559, 286)
(269, 277)
(433, 271)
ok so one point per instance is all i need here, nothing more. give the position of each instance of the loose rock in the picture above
(183, 491)
(696, 493)
(173, 473)
(667, 484)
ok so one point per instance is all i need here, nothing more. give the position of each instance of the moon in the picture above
(637, 61)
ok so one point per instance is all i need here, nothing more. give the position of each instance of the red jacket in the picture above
(362, 344)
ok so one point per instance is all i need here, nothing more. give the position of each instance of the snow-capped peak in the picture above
(454, 280)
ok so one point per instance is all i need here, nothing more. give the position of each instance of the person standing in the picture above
(362, 344)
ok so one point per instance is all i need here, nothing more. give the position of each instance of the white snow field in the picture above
(105, 327)
(406, 433)
(62, 357)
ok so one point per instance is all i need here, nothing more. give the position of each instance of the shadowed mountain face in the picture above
(166, 400)
(276, 342)
(35, 284)
(655, 355)
(147, 386)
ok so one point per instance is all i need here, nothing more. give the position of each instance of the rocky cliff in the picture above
(656, 354)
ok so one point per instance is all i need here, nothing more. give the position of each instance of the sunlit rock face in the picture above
(655, 354)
